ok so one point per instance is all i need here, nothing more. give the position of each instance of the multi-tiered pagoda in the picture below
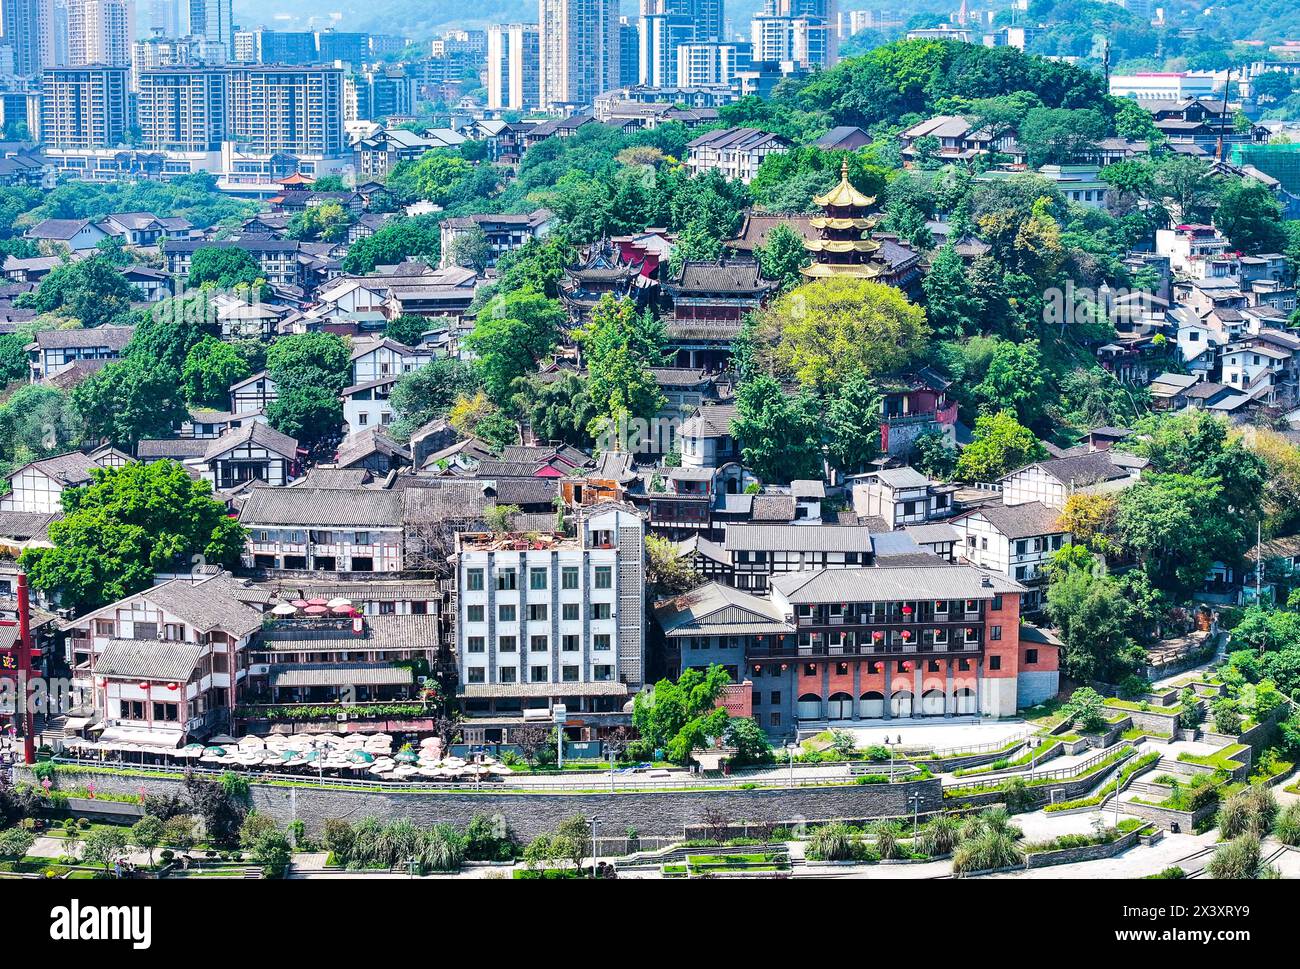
(843, 246)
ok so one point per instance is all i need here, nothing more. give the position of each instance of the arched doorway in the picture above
(872, 705)
(900, 704)
(810, 707)
(932, 703)
(966, 701)
(840, 707)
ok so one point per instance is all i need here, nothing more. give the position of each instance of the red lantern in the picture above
(102, 683)
(784, 667)
(758, 669)
(143, 685)
(938, 603)
(173, 687)
(969, 630)
(907, 634)
(907, 666)
(938, 633)
(907, 610)
(877, 635)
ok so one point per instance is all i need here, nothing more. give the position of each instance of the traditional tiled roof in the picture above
(803, 538)
(112, 337)
(887, 583)
(339, 674)
(323, 508)
(256, 434)
(69, 470)
(149, 659)
(719, 610)
(1030, 519)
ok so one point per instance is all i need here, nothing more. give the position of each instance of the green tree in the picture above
(471, 250)
(1058, 136)
(556, 410)
(210, 367)
(676, 717)
(103, 846)
(1014, 381)
(398, 239)
(428, 393)
(125, 526)
(620, 345)
(92, 290)
(225, 267)
(951, 305)
(822, 332)
(130, 400)
(310, 414)
(512, 336)
(1000, 444)
(780, 434)
(1250, 217)
(853, 423)
(407, 329)
(147, 834)
(782, 255)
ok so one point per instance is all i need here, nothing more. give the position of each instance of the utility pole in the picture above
(25, 715)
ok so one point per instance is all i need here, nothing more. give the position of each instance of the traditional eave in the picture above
(821, 270)
(841, 245)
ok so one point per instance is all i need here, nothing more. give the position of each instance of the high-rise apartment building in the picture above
(800, 33)
(287, 109)
(579, 51)
(100, 32)
(182, 109)
(668, 24)
(27, 26)
(262, 46)
(711, 64)
(165, 18)
(213, 20)
(83, 107)
(513, 63)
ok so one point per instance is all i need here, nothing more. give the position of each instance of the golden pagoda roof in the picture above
(829, 222)
(823, 270)
(841, 245)
(844, 195)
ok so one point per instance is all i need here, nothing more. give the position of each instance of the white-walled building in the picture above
(552, 621)
(1017, 541)
(164, 666)
(38, 487)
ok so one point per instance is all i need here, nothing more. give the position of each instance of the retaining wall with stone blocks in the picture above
(528, 815)
(1069, 856)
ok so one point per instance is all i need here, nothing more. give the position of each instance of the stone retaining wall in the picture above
(1069, 856)
(528, 815)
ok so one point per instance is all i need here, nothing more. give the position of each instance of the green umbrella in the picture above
(361, 757)
(406, 757)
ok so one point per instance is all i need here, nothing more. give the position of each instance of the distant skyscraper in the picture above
(513, 61)
(27, 26)
(668, 24)
(212, 19)
(165, 18)
(802, 33)
(100, 32)
(579, 50)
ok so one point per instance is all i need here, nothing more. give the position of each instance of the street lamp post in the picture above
(914, 799)
(593, 820)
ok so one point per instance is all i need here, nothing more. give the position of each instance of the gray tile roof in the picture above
(73, 468)
(1083, 469)
(257, 434)
(797, 538)
(406, 632)
(220, 602)
(719, 610)
(176, 448)
(890, 584)
(26, 526)
(149, 659)
(339, 674)
(1021, 521)
(323, 507)
(112, 337)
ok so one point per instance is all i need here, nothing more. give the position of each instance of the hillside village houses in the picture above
(881, 596)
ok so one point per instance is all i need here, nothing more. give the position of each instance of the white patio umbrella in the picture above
(338, 603)
(251, 742)
(284, 609)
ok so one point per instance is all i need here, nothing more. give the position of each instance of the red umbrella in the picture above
(318, 602)
(300, 603)
(316, 610)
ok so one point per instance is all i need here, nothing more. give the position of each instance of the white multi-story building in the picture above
(546, 621)
(579, 50)
(84, 107)
(711, 64)
(801, 33)
(38, 487)
(513, 63)
(1017, 541)
(900, 496)
(165, 665)
(100, 32)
